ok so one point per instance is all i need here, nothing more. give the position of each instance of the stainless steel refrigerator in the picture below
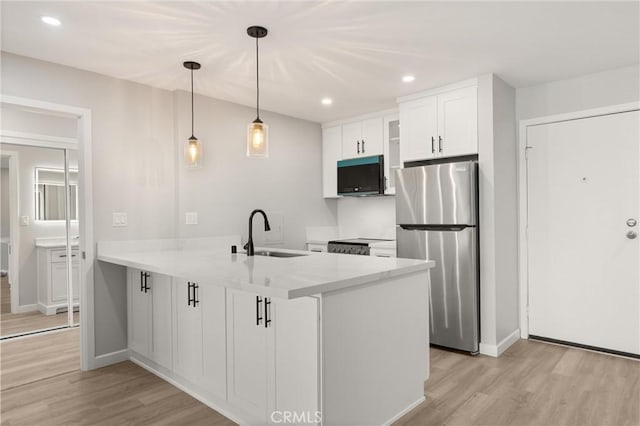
(437, 218)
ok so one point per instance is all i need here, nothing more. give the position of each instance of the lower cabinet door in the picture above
(294, 361)
(214, 374)
(187, 338)
(160, 292)
(139, 313)
(247, 352)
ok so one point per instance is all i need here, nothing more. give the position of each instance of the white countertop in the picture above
(54, 242)
(286, 278)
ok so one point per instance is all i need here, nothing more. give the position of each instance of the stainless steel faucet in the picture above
(249, 246)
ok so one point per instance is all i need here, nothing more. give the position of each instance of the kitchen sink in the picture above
(277, 253)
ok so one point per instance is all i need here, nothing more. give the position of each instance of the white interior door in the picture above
(583, 259)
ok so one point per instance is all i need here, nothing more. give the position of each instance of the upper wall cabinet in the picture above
(442, 125)
(362, 138)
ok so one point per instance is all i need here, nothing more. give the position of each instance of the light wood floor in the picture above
(531, 384)
(28, 321)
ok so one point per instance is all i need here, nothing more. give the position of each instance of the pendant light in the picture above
(257, 132)
(193, 148)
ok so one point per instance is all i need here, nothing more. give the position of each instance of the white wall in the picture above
(133, 165)
(18, 120)
(229, 185)
(28, 159)
(367, 217)
(611, 87)
(497, 147)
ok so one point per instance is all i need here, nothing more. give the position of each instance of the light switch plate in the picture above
(24, 220)
(119, 219)
(191, 218)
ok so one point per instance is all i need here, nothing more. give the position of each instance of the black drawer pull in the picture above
(363, 146)
(267, 311)
(189, 297)
(258, 316)
(146, 287)
(358, 143)
(195, 294)
(141, 281)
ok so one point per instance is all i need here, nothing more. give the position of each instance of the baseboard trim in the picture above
(23, 309)
(497, 350)
(405, 411)
(110, 358)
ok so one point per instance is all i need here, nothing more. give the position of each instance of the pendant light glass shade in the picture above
(193, 152)
(193, 147)
(257, 136)
(257, 131)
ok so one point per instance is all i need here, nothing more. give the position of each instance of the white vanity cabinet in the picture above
(52, 279)
(440, 125)
(199, 354)
(149, 311)
(272, 352)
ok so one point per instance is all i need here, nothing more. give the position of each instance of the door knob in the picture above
(631, 235)
(631, 222)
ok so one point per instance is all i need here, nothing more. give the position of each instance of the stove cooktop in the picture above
(358, 241)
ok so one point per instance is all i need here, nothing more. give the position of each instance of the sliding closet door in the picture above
(38, 287)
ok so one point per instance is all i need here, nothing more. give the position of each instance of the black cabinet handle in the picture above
(258, 316)
(195, 294)
(433, 149)
(267, 311)
(439, 143)
(189, 297)
(363, 146)
(146, 287)
(141, 281)
(358, 143)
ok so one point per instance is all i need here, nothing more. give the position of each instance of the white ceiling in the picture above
(353, 52)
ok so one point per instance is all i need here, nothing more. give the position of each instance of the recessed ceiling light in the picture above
(408, 78)
(327, 101)
(50, 20)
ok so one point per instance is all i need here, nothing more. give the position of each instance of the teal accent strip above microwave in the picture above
(359, 161)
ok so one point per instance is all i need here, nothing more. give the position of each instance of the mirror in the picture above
(50, 194)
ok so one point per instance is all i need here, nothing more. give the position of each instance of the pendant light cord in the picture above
(192, 102)
(257, 82)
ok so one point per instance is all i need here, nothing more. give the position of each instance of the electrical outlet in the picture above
(24, 220)
(119, 219)
(191, 218)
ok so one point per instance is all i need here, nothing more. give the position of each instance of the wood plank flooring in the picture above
(29, 321)
(41, 384)
(533, 383)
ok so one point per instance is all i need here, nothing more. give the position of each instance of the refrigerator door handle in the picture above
(455, 228)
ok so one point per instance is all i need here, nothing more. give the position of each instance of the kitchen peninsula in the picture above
(305, 339)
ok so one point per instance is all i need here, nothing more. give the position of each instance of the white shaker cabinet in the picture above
(442, 125)
(198, 341)
(458, 122)
(331, 153)
(149, 310)
(419, 129)
(272, 351)
(52, 279)
(362, 138)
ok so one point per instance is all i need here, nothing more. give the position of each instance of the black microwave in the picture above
(361, 176)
